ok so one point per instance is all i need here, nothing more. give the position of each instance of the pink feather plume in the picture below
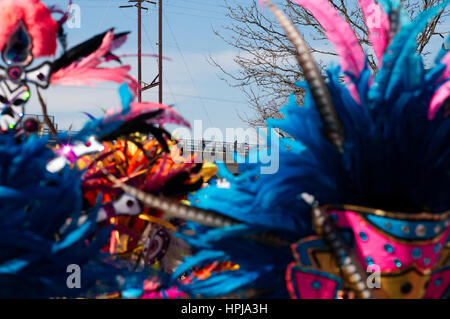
(152, 291)
(443, 93)
(378, 25)
(86, 71)
(169, 115)
(341, 35)
(65, 14)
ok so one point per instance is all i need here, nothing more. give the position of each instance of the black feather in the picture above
(179, 185)
(82, 50)
(139, 124)
(62, 38)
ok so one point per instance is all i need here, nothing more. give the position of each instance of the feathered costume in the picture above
(29, 32)
(37, 245)
(50, 211)
(375, 150)
(152, 165)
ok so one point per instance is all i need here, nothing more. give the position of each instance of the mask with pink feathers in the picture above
(28, 32)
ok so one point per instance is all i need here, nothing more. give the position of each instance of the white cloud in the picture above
(187, 78)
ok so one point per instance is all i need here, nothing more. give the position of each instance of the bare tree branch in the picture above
(267, 65)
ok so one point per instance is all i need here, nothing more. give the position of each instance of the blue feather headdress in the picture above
(38, 242)
(45, 225)
(395, 155)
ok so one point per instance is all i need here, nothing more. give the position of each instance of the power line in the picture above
(184, 13)
(166, 3)
(165, 79)
(212, 99)
(176, 94)
(104, 15)
(194, 9)
(187, 69)
(158, 80)
(208, 3)
(197, 15)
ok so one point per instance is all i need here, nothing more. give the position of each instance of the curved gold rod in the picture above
(201, 216)
(175, 209)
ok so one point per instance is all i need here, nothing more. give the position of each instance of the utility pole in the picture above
(160, 45)
(146, 86)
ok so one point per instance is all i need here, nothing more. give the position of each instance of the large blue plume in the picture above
(39, 231)
(394, 158)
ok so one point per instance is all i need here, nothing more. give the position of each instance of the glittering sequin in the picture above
(397, 263)
(369, 260)
(421, 230)
(437, 248)
(389, 248)
(363, 236)
(316, 285)
(416, 253)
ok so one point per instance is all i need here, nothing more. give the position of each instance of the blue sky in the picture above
(191, 83)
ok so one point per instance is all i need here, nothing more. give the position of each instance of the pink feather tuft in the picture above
(378, 25)
(443, 93)
(152, 291)
(66, 14)
(117, 43)
(341, 35)
(168, 115)
(86, 71)
(38, 20)
(261, 4)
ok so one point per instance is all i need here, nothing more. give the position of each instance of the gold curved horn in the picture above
(333, 127)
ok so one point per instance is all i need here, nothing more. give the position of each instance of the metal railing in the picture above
(205, 149)
(215, 147)
(211, 151)
(40, 118)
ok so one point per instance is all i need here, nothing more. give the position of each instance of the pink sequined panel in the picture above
(374, 247)
(172, 293)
